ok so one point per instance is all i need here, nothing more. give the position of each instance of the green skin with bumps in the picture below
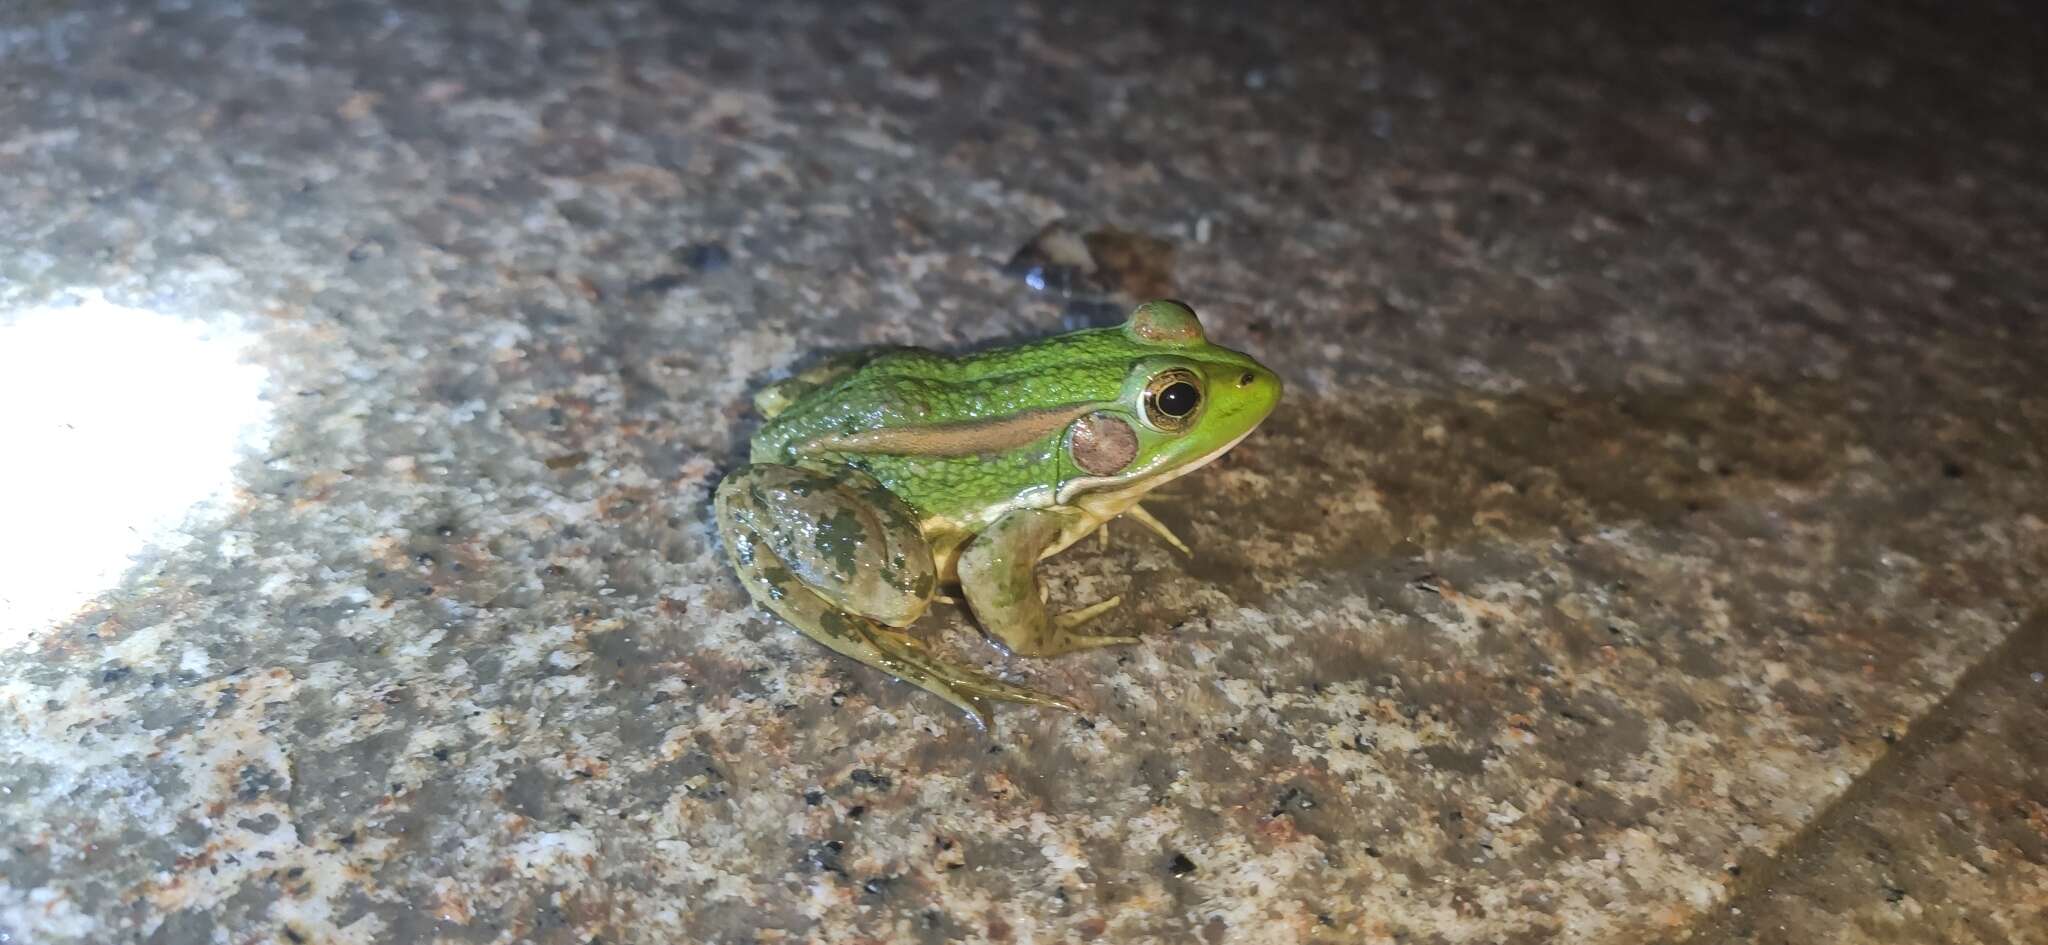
(881, 476)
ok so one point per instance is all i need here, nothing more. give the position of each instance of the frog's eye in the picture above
(1171, 399)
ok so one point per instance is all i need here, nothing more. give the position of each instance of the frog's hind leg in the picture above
(840, 558)
(886, 648)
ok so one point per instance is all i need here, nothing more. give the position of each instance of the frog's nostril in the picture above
(1245, 379)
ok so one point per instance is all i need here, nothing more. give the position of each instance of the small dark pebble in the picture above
(1734, 870)
(814, 798)
(659, 284)
(115, 674)
(293, 934)
(825, 858)
(1953, 470)
(880, 782)
(704, 257)
(1373, 852)
(1894, 894)
(1180, 865)
(857, 811)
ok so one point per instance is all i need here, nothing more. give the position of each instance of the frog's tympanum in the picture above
(880, 477)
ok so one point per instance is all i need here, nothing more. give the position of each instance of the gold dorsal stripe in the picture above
(965, 438)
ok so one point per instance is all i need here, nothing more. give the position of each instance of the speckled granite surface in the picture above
(1665, 439)
(1944, 840)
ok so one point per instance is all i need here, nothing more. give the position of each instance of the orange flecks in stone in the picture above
(359, 106)
(637, 176)
(1279, 830)
(1674, 917)
(578, 765)
(623, 503)
(316, 488)
(2037, 815)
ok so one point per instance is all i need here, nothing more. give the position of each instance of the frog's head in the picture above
(1183, 403)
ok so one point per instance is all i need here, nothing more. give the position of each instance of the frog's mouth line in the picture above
(1142, 484)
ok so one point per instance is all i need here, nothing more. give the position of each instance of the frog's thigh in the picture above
(839, 534)
(997, 573)
(796, 569)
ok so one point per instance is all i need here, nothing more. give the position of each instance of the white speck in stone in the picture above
(46, 910)
(563, 659)
(2037, 677)
(275, 583)
(467, 411)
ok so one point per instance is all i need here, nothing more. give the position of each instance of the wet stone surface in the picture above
(1662, 449)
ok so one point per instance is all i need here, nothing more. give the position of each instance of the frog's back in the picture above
(951, 434)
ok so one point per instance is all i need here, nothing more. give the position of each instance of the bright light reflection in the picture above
(116, 424)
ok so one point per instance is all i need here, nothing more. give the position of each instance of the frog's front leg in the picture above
(998, 573)
(841, 557)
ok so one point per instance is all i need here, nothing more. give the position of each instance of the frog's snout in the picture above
(1243, 397)
(1259, 390)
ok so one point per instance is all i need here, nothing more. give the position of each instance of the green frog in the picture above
(881, 476)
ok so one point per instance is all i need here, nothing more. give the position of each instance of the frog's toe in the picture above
(1145, 518)
(971, 690)
(1075, 618)
(1069, 642)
